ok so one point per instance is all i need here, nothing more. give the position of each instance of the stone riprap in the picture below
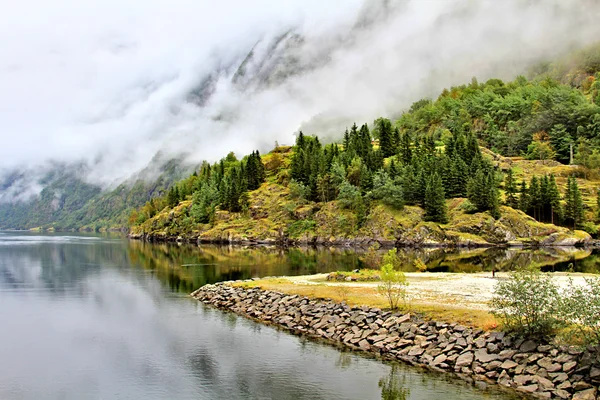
(536, 370)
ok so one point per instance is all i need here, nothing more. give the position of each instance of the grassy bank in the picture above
(440, 306)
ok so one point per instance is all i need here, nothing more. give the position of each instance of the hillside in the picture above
(493, 163)
(275, 216)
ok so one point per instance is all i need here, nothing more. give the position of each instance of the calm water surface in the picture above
(86, 317)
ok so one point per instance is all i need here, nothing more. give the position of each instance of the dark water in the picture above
(85, 317)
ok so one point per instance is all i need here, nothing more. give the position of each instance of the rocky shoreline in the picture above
(535, 370)
(362, 242)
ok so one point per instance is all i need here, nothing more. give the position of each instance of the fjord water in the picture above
(88, 317)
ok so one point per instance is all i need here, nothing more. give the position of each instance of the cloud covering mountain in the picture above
(109, 84)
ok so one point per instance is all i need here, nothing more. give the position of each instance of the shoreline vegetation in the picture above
(532, 368)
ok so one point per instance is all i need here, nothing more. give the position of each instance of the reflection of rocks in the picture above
(533, 369)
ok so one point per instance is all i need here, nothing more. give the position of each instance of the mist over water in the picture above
(111, 86)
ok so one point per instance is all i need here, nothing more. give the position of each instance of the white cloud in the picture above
(109, 82)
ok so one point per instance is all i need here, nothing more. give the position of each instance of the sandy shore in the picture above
(459, 289)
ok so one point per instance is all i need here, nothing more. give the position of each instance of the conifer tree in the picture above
(573, 203)
(346, 140)
(510, 188)
(598, 204)
(524, 197)
(535, 198)
(554, 200)
(386, 138)
(404, 149)
(434, 202)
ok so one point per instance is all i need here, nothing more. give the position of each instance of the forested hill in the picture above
(483, 163)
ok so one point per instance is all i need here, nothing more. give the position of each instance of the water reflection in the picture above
(393, 386)
(88, 319)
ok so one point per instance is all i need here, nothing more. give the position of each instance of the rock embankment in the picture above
(535, 369)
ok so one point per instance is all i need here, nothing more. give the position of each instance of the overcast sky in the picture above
(109, 82)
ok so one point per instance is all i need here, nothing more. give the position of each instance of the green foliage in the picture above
(393, 283)
(510, 188)
(298, 191)
(204, 203)
(527, 303)
(298, 228)
(573, 203)
(349, 196)
(435, 203)
(386, 190)
(483, 193)
(581, 307)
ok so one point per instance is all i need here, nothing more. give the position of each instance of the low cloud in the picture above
(112, 85)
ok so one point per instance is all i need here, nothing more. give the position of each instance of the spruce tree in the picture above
(534, 198)
(524, 197)
(434, 202)
(346, 140)
(554, 200)
(577, 204)
(404, 149)
(510, 188)
(573, 203)
(598, 204)
(386, 138)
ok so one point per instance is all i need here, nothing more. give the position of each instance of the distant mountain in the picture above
(67, 202)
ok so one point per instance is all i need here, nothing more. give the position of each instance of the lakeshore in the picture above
(479, 356)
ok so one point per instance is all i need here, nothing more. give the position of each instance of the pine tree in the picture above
(483, 193)
(534, 198)
(510, 188)
(524, 197)
(573, 203)
(577, 204)
(393, 170)
(386, 138)
(435, 203)
(598, 204)
(404, 149)
(346, 140)
(554, 200)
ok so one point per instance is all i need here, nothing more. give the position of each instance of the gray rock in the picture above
(482, 355)
(508, 364)
(568, 366)
(528, 346)
(595, 373)
(529, 388)
(464, 360)
(548, 365)
(522, 380)
(439, 359)
(588, 394)
(544, 383)
(506, 354)
(563, 394)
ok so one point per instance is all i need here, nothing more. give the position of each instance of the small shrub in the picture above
(298, 190)
(590, 228)
(526, 303)
(420, 265)
(581, 307)
(393, 283)
(468, 207)
(343, 291)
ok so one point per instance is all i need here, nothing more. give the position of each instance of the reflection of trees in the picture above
(185, 268)
(393, 386)
(344, 360)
